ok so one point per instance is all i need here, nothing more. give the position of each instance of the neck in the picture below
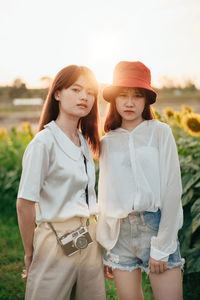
(130, 125)
(68, 124)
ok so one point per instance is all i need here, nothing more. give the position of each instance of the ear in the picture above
(57, 95)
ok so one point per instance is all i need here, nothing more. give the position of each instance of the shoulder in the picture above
(106, 139)
(113, 134)
(161, 128)
(43, 139)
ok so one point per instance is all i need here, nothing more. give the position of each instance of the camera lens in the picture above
(81, 242)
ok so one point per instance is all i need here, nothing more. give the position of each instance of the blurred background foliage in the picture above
(186, 128)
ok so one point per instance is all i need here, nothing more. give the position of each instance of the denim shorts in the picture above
(132, 250)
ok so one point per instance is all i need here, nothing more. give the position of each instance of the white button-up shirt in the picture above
(54, 176)
(139, 170)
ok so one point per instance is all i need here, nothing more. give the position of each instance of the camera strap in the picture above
(53, 229)
(86, 189)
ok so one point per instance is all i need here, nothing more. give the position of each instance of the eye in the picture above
(76, 90)
(138, 95)
(122, 95)
(90, 92)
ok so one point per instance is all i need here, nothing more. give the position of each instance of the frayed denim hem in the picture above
(178, 264)
(125, 268)
(143, 269)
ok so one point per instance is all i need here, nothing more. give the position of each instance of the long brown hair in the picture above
(113, 118)
(89, 125)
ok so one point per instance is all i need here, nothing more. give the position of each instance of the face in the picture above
(130, 104)
(76, 100)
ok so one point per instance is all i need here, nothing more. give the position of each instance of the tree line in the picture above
(19, 89)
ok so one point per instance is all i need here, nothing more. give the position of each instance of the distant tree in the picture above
(18, 89)
(46, 81)
(167, 83)
(189, 85)
(170, 84)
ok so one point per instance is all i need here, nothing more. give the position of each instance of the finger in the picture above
(24, 274)
(106, 272)
(165, 266)
(157, 268)
(152, 268)
(110, 270)
(149, 265)
(161, 268)
(110, 273)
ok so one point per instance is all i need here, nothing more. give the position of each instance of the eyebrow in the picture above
(80, 86)
(76, 84)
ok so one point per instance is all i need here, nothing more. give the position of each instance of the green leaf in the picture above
(191, 182)
(197, 185)
(193, 260)
(195, 212)
(187, 197)
(185, 234)
(185, 178)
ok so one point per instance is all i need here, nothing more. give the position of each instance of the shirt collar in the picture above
(66, 144)
(138, 128)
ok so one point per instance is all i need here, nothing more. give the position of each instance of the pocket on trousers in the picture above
(152, 219)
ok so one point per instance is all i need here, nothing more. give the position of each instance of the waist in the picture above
(141, 214)
(72, 222)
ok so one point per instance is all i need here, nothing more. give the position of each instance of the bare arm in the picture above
(26, 221)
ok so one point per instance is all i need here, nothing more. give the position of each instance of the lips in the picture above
(128, 111)
(82, 105)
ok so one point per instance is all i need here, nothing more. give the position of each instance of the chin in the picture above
(82, 115)
(129, 118)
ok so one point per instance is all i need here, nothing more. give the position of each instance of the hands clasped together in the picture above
(155, 266)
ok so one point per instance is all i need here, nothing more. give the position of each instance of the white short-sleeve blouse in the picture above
(54, 176)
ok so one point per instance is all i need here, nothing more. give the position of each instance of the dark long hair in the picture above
(89, 125)
(113, 118)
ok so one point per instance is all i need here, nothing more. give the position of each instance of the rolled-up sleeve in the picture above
(34, 170)
(171, 221)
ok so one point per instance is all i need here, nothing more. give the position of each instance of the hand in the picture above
(157, 266)
(108, 273)
(28, 261)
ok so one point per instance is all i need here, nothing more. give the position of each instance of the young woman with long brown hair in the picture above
(139, 190)
(62, 257)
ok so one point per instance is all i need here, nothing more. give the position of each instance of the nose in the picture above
(83, 95)
(130, 101)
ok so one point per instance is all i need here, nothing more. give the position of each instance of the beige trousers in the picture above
(55, 276)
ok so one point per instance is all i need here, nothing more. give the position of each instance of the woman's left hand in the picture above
(108, 273)
(157, 266)
(28, 261)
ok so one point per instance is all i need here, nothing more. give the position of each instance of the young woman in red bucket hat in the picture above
(139, 190)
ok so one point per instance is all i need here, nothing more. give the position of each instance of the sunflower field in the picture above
(185, 125)
(186, 129)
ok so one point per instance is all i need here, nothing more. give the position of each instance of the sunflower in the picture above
(178, 117)
(186, 109)
(3, 133)
(191, 124)
(156, 114)
(169, 113)
(26, 126)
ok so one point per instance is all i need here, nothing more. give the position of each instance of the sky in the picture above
(40, 37)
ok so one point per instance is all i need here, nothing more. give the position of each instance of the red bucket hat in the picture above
(130, 74)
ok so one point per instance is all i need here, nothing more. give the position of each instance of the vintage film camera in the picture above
(75, 241)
